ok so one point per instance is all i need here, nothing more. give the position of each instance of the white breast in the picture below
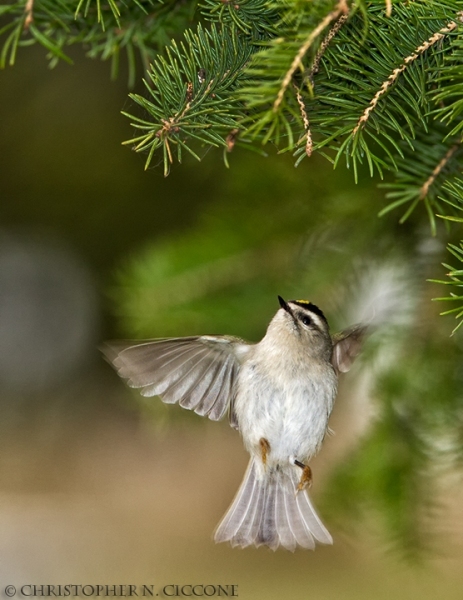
(288, 405)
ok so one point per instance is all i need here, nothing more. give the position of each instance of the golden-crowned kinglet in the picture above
(279, 394)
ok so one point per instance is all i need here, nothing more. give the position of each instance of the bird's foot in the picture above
(264, 450)
(306, 477)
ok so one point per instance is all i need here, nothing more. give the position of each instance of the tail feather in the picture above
(311, 520)
(267, 530)
(238, 511)
(251, 524)
(268, 511)
(287, 537)
(302, 518)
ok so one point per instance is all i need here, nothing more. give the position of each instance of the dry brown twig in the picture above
(431, 179)
(324, 45)
(231, 139)
(305, 120)
(388, 8)
(28, 10)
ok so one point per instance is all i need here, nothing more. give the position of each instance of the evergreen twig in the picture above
(342, 8)
(28, 10)
(324, 45)
(436, 37)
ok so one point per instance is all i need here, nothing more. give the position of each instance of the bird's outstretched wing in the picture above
(197, 372)
(346, 346)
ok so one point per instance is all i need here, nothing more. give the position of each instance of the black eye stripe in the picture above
(310, 307)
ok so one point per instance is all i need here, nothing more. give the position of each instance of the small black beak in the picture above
(285, 305)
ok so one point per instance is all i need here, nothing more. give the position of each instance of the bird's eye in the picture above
(306, 321)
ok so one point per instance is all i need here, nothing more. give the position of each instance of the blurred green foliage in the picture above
(310, 234)
(416, 439)
(209, 250)
(282, 231)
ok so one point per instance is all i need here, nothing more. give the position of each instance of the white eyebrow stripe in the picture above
(317, 319)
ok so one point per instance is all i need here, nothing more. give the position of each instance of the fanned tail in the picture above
(267, 511)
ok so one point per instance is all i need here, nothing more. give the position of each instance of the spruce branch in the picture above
(324, 45)
(254, 18)
(185, 109)
(452, 194)
(373, 83)
(447, 94)
(280, 64)
(112, 4)
(422, 175)
(342, 8)
(437, 170)
(436, 37)
(361, 108)
(103, 29)
(455, 279)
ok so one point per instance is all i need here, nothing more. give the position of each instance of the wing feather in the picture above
(163, 376)
(205, 388)
(197, 372)
(191, 377)
(221, 374)
(346, 347)
(226, 395)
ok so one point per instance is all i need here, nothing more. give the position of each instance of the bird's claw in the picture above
(264, 450)
(306, 477)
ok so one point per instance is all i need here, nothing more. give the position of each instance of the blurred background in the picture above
(100, 486)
